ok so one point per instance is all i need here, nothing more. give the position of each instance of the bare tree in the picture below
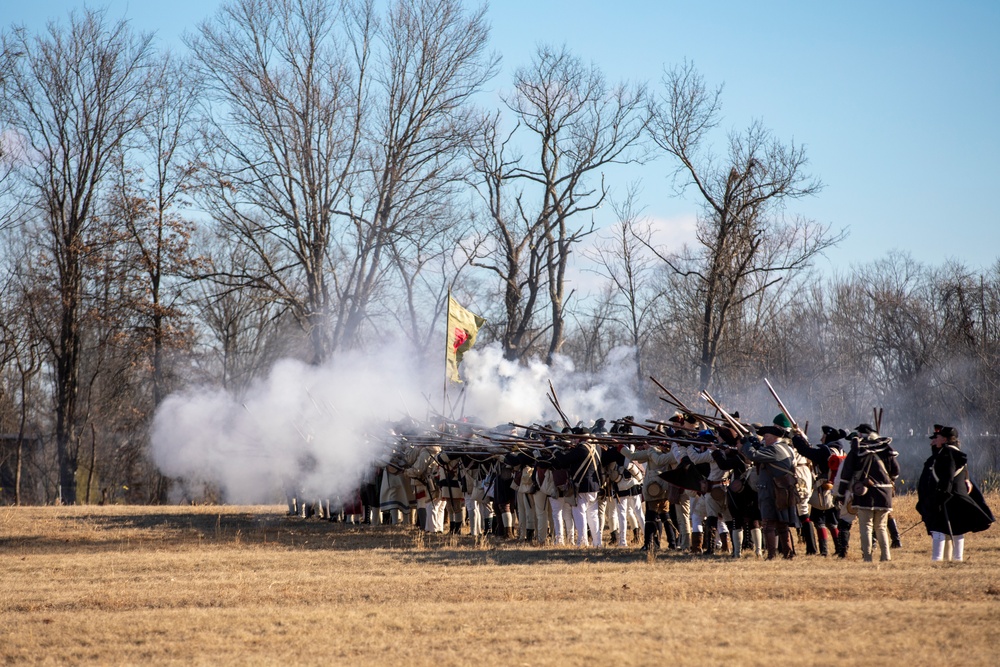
(20, 363)
(241, 330)
(622, 256)
(582, 126)
(578, 125)
(337, 141)
(284, 125)
(431, 59)
(154, 180)
(512, 244)
(744, 243)
(75, 95)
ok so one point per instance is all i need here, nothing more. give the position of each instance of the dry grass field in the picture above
(250, 586)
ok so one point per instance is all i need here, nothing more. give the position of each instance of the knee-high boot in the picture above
(670, 529)
(770, 539)
(785, 544)
(822, 537)
(711, 526)
(650, 530)
(843, 538)
(649, 534)
(894, 534)
(809, 536)
(696, 541)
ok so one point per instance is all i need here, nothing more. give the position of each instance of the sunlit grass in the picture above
(248, 585)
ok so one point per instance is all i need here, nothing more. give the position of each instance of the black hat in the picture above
(773, 429)
(833, 434)
(946, 432)
(865, 429)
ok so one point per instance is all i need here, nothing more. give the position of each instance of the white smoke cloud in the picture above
(310, 424)
(499, 390)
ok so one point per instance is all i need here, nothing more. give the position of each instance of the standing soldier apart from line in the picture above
(869, 472)
(948, 502)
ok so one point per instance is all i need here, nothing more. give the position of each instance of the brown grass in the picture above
(247, 585)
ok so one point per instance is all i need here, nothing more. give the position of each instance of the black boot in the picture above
(529, 535)
(894, 534)
(824, 549)
(422, 518)
(635, 535)
(843, 539)
(809, 536)
(614, 537)
(670, 529)
(650, 532)
(711, 525)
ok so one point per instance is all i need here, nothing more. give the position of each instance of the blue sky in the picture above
(898, 104)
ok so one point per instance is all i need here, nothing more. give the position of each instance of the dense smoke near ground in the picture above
(319, 427)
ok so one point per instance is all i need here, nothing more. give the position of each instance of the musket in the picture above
(781, 405)
(735, 425)
(555, 403)
(673, 398)
(658, 438)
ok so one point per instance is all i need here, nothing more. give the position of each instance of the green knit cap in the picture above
(782, 421)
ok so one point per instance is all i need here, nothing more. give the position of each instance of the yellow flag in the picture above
(463, 325)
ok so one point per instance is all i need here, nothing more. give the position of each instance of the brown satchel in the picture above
(784, 491)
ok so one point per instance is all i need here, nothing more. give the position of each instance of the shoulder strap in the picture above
(591, 458)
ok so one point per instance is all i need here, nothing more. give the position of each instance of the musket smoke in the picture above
(312, 425)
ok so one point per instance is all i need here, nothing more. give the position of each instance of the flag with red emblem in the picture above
(463, 325)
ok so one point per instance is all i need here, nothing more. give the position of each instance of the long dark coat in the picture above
(864, 460)
(943, 498)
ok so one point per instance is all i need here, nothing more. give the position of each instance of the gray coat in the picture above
(772, 461)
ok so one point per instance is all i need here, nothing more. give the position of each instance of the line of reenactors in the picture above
(687, 483)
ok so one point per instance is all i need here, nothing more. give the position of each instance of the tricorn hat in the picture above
(773, 429)
(832, 434)
(947, 432)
